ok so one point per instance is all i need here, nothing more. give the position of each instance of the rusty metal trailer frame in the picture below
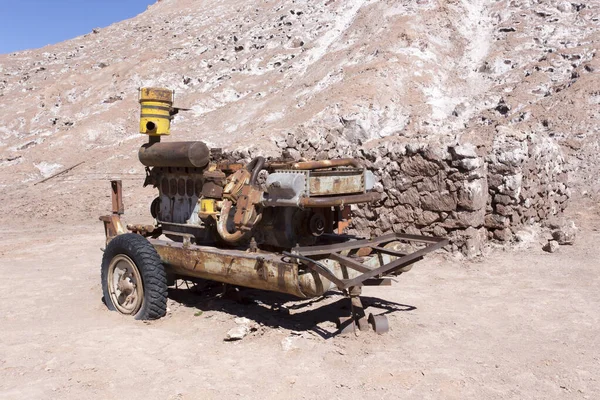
(285, 272)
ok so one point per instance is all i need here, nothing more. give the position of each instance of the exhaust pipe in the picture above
(174, 154)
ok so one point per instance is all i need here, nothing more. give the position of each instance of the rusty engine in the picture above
(294, 203)
(268, 204)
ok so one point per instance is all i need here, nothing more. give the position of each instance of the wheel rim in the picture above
(125, 285)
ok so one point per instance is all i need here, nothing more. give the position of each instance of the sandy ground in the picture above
(516, 324)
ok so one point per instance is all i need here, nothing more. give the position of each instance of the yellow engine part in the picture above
(208, 207)
(156, 106)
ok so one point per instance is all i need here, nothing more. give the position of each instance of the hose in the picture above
(254, 167)
(222, 225)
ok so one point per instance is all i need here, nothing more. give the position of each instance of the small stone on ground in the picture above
(551, 246)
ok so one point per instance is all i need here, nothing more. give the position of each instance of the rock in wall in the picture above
(468, 193)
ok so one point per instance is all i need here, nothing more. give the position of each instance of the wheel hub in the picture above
(125, 285)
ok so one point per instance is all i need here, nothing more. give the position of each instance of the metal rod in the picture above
(320, 268)
(117, 197)
(64, 171)
(388, 251)
(306, 165)
(353, 244)
(348, 262)
(339, 201)
(419, 238)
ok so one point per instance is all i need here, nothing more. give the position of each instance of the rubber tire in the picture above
(152, 271)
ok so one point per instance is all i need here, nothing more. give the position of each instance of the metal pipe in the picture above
(306, 165)
(255, 167)
(250, 166)
(338, 201)
(222, 225)
(174, 154)
(266, 271)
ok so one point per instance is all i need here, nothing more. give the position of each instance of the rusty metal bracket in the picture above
(112, 223)
(117, 197)
(145, 230)
(112, 226)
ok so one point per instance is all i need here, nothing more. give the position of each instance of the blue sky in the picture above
(29, 24)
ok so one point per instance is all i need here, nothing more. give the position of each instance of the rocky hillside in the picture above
(477, 116)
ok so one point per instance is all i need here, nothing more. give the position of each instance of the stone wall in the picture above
(467, 193)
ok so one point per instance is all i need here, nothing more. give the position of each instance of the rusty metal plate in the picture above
(336, 182)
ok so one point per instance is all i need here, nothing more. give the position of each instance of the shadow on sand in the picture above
(277, 310)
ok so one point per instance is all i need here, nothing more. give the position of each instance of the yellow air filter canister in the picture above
(156, 105)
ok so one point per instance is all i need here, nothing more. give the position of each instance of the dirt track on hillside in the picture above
(517, 324)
